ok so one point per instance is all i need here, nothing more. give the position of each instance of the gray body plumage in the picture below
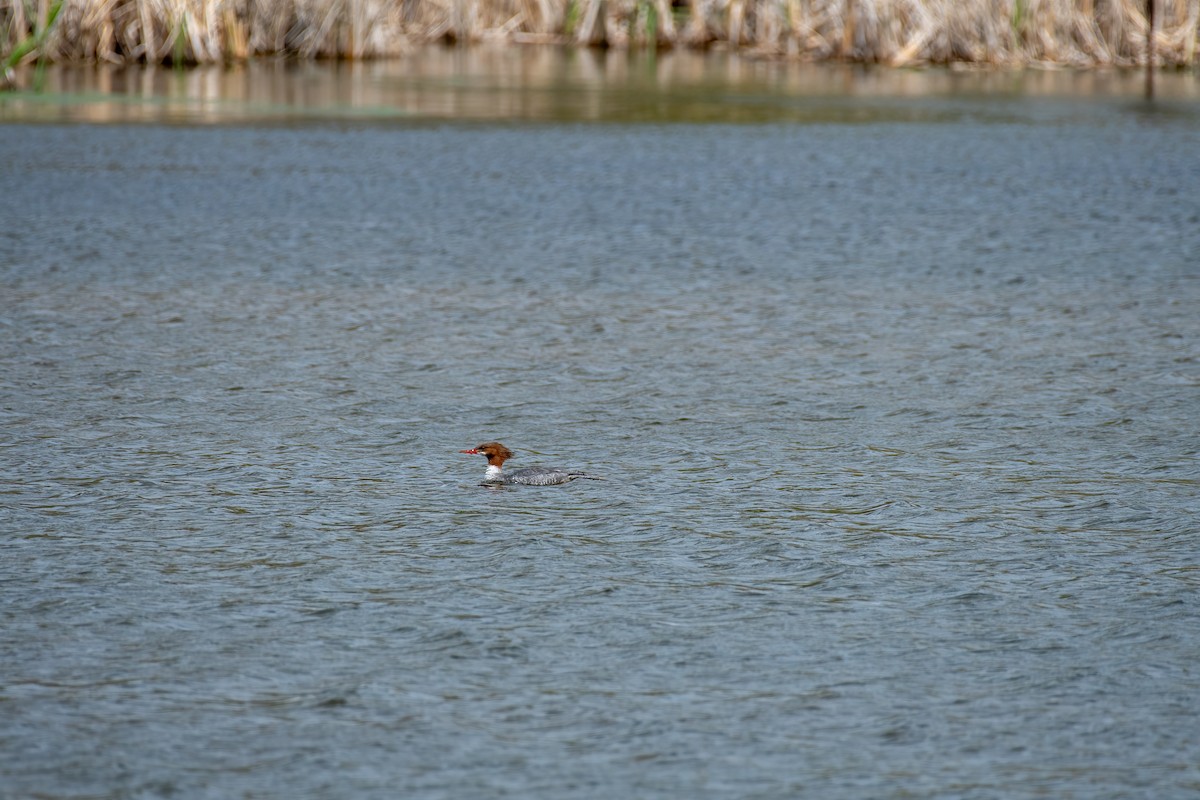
(540, 476)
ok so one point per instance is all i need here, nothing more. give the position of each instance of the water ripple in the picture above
(893, 481)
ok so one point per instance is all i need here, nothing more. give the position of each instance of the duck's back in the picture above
(544, 476)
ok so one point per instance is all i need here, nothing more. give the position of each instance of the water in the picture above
(899, 421)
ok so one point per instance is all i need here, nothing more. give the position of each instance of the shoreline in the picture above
(898, 33)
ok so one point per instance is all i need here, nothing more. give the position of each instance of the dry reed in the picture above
(897, 32)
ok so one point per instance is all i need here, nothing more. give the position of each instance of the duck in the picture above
(495, 475)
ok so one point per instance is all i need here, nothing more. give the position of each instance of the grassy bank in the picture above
(1000, 32)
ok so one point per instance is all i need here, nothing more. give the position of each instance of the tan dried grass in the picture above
(897, 32)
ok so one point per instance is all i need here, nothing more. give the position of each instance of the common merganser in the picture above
(497, 454)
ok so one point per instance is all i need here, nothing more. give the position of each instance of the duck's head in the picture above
(495, 452)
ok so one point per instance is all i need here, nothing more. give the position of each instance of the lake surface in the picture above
(900, 422)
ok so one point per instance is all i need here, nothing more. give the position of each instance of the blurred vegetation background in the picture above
(896, 32)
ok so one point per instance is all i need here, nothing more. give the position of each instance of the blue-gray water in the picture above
(900, 424)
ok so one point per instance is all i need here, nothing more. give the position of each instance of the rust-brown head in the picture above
(496, 453)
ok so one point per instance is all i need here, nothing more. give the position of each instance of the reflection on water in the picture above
(555, 84)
